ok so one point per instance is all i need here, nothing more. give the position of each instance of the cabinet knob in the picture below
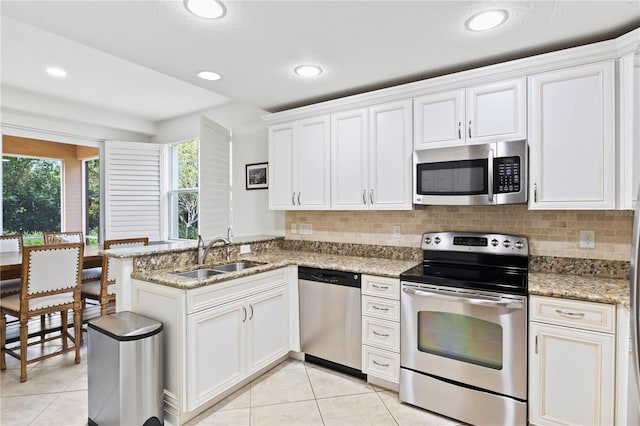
(364, 196)
(293, 198)
(459, 129)
(371, 196)
(298, 198)
(469, 128)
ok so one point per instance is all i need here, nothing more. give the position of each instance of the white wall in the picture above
(251, 215)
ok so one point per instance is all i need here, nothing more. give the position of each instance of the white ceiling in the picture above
(141, 57)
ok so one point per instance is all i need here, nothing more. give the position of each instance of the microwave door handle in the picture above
(490, 164)
(478, 301)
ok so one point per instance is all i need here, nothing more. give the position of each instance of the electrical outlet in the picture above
(294, 230)
(587, 239)
(306, 229)
(396, 231)
(245, 248)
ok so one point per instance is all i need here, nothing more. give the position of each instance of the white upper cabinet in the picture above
(492, 112)
(349, 160)
(281, 140)
(299, 165)
(390, 152)
(629, 135)
(439, 120)
(571, 138)
(496, 112)
(371, 158)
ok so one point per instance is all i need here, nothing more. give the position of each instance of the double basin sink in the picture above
(219, 269)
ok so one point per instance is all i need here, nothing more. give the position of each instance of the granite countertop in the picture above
(275, 259)
(589, 288)
(554, 284)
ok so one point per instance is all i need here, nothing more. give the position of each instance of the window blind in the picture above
(215, 187)
(133, 179)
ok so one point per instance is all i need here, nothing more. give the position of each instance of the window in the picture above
(92, 200)
(32, 196)
(183, 195)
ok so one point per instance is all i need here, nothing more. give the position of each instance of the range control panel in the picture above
(506, 175)
(476, 242)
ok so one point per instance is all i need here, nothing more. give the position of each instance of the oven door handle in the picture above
(478, 301)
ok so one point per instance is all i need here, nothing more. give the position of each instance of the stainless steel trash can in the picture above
(124, 363)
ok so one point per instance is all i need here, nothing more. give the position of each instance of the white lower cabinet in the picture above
(216, 336)
(571, 367)
(381, 327)
(233, 341)
(217, 358)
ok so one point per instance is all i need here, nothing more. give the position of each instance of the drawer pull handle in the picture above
(380, 334)
(570, 314)
(380, 365)
(380, 287)
(379, 309)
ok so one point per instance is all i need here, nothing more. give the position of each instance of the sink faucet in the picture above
(203, 251)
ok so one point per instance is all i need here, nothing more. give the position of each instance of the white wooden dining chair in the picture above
(10, 243)
(89, 274)
(51, 280)
(104, 290)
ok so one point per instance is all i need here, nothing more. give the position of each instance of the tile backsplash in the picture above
(550, 232)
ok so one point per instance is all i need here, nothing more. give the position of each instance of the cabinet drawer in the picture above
(380, 333)
(381, 287)
(380, 363)
(381, 308)
(573, 313)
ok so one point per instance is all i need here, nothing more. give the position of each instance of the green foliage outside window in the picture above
(188, 201)
(93, 200)
(31, 191)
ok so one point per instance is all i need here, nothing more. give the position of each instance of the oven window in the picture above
(464, 177)
(460, 337)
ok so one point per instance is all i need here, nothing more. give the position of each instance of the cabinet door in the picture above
(570, 376)
(571, 139)
(216, 359)
(268, 328)
(390, 156)
(496, 112)
(312, 170)
(438, 120)
(281, 189)
(629, 136)
(349, 161)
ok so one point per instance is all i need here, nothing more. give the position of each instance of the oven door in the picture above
(474, 338)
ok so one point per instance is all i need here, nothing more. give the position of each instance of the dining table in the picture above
(11, 261)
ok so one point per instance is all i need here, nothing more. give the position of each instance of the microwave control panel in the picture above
(507, 175)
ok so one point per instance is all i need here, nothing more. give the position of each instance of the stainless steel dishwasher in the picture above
(330, 318)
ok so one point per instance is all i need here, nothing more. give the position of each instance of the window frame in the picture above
(174, 192)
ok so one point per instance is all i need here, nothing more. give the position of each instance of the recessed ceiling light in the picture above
(209, 75)
(308, 70)
(56, 72)
(208, 9)
(486, 20)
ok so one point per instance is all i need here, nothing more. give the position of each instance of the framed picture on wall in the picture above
(257, 175)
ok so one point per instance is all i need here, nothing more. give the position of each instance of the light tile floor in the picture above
(292, 393)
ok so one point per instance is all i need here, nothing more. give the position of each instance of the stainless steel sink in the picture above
(235, 266)
(199, 273)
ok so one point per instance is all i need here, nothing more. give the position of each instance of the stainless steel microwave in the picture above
(488, 174)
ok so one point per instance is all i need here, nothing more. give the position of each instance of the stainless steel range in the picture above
(464, 328)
